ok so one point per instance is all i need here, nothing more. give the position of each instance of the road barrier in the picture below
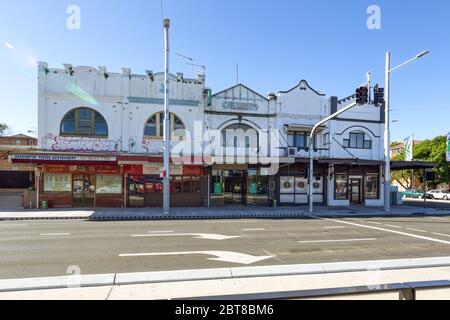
(404, 291)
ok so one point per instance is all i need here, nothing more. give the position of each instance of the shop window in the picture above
(57, 183)
(154, 128)
(341, 187)
(107, 184)
(357, 140)
(372, 186)
(84, 122)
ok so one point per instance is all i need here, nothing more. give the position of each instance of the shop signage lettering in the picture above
(30, 157)
(82, 169)
(83, 144)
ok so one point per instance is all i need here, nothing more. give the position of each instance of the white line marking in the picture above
(334, 228)
(12, 225)
(391, 231)
(344, 240)
(441, 234)
(204, 236)
(377, 223)
(54, 234)
(392, 226)
(255, 229)
(156, 232)
(223, 256)
(417, 230)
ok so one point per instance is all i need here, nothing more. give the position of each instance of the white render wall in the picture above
(127, 101)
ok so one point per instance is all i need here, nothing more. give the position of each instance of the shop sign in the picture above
(154, 169)
(82, 169)
(42, 157)
(218, 188)
(133, 169)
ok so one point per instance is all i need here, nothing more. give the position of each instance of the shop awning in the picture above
(360, 162)
(411, 165)
(62, 158)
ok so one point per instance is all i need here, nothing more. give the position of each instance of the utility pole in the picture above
(387, 138)
(167, 135)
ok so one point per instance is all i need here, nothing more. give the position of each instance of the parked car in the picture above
(413, 194)
(438, 195)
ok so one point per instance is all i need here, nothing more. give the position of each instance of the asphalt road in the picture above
(435, 204)
(46, 248)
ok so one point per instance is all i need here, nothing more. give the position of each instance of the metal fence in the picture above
(404, 291)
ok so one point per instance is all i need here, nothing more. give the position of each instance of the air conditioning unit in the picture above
(292, 152)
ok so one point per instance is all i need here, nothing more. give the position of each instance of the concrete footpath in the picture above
(218, 282)
(215, 213)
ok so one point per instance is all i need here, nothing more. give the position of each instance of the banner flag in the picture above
(409, 148)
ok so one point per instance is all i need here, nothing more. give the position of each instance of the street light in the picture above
(387, 133)
(167, 134)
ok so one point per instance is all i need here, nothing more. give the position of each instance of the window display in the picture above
(57, 183)
(372, 183)
(107, 184)
(341, 187)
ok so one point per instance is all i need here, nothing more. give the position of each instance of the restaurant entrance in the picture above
(84, 190)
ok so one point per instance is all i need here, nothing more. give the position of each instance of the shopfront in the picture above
(293, 184)
(239, 186)
(81, 186)
(145, 186)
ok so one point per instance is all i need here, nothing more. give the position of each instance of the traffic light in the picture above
(362, 96)
(378, 96)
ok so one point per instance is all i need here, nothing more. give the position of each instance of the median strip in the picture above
(10, 285)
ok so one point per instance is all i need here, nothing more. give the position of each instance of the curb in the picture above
(86, 281)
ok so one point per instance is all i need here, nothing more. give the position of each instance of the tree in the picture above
(3, 129)
(431, 151)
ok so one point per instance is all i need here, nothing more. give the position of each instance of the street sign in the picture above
(162, 173)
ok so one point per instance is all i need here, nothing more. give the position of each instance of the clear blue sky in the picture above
(276, 43)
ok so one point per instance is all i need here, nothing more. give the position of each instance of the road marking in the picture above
(222, 256)
(377, 223)
(387, 230)
(204, 236)
(392, 226)
(255, 229)
(334, 228)
(12, 225)
(441, 234)
(417, 230)
(150, 232)
(54, 234)
(343, 240)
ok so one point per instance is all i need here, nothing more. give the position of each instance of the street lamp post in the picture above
(387, 133)
(167, 135)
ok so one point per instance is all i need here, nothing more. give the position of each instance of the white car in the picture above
(438, 195)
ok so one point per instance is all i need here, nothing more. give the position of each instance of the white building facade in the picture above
(101, 143)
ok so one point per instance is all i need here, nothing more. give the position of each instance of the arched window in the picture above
(358, 140)
(154, 128)
(240, 136)
(84, 122)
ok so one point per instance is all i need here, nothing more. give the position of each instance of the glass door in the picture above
(84, 190)
(356, 191)
(136, 191)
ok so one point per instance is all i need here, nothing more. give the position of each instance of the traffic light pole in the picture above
(311, 155)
